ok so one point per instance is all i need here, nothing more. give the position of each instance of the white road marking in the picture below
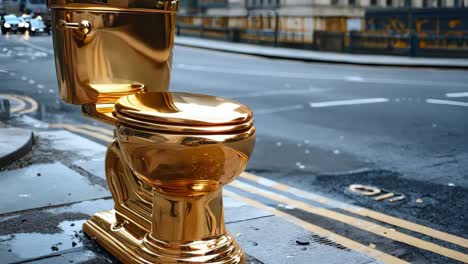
(354, 78)
(278, 92)
(5, 71)
(278, 109)
(51, 52)
(348, 102)
(464, 94)
(446, 102)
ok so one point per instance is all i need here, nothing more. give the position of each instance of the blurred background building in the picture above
(396, 27)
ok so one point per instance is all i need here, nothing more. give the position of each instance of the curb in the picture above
(14, 144)
(320, 56)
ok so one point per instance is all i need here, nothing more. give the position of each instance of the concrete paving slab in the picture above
(52, 233)
(48, 235)
(14, 143)
(67, 141)
(22, 246)
(273, 240)
(82, 256)
(94, 166)
(44, 185)
(235, 211)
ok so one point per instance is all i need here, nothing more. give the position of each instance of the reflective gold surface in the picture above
(169, 6)
(168, 186)
(173, 152)
(111, 49)
(184, 113)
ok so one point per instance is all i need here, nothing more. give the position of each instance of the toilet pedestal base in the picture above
(137, 247)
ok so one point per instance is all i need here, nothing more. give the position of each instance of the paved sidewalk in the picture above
(320, 56)
(49, 194)
(14, 143)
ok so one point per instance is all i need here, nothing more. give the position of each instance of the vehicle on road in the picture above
(24, 24)
(37, 26)
(10, 23)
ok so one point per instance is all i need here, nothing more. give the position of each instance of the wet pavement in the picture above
(47, 203)
(316, 133)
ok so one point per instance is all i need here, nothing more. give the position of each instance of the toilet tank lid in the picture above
(168, 6)
(184, 109)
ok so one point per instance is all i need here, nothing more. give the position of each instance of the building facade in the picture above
(347, 8)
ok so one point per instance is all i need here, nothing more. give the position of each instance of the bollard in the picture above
(4, 109)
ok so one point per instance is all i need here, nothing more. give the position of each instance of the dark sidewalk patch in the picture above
(38, 222)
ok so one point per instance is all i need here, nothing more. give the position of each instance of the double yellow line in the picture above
(365, 225)
(21, 104)
(360, 222)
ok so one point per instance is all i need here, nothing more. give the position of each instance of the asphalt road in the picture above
(321, 127)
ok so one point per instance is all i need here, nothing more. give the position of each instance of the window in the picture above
(352, 2)
(425, 3)
(407, 3)
(389, 3)
(334, 2)
(373, 2)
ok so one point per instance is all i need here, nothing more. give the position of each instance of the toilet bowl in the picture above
(181, 149)
(172, 152)
(184, 144)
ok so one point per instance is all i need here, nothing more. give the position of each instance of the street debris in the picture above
(373, 191)
(300, 165)
(419, 200)
(364, 189)
(302, 242)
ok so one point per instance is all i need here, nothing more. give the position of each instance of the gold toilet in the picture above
(172, 152)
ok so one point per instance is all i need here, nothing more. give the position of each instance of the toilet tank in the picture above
(105, 47)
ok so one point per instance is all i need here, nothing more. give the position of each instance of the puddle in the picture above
(21, 246)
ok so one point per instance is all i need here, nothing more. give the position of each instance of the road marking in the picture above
(278, 109)
(22, 104)
(27, 43)
(355, 222)
(446, 102)
(351, 244)
(278, 92)
(358, 210)
(18, 105)
(33, 105)
(464, 94)
(362, 224)
(76, 129)
(348, 102)
(354, 78)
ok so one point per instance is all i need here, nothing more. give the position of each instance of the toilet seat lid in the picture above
(183, 109)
